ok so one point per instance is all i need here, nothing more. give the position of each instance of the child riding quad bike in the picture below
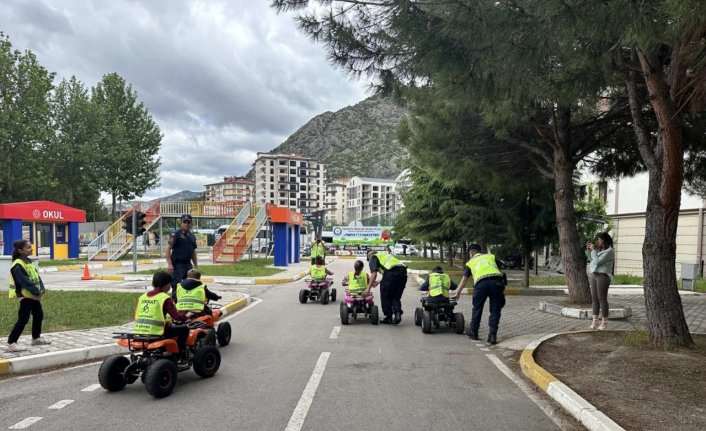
(193, 298)
(222, 333)
(436, 306)
(356, 301)
(318, 284)
(154, 360)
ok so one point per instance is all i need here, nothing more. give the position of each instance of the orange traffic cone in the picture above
(86, 273)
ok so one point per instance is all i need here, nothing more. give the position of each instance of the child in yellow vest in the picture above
(318, 271)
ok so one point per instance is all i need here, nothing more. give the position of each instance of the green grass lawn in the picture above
(82, 260)
(65, 311)
(244, 268)
(420, 263)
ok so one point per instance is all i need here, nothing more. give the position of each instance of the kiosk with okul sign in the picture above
(51, 227)
(285, 226)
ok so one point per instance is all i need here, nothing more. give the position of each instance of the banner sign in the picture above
(362, 235)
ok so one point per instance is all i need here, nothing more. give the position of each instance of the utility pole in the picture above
(134, 239)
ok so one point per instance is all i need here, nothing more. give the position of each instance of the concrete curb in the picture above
(592, 418)
(219, 280)
(25, 364)
(582, 313)
(515, 291)
(76, 267)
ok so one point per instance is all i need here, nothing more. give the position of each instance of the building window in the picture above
(292, 163)
(603, 191)
(292, 203)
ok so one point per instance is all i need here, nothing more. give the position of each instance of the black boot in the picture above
(492, 338)
(398, 318)
(473, 335)
(386, 321)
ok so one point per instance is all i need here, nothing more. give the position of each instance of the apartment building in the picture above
(369, 197)
(336, 203)
(238, 189)
(291, 181)
(402, 183)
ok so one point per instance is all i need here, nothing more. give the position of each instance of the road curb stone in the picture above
(585, 412)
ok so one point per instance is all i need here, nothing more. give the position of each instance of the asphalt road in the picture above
(293, 366)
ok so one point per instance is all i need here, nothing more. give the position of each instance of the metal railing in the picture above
(229, 233)
(201, 208)
(111, 240)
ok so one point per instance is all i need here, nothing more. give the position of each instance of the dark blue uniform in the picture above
(492, 288)
(392, 285)
(183, 246)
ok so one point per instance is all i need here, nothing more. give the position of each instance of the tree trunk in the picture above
(451, 255)
(569, 242)
(665, 316)
(527, 257)
(112, 215)
(424, 247)
(441, 253)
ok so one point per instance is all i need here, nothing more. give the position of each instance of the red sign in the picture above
(285, 215)
(41, 211)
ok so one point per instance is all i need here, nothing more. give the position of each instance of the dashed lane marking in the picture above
(60, 405)
(91, 388)
(300, 412)
(335, 331)
(25, 423)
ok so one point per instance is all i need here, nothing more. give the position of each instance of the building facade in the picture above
(336, 203)
(238, 189)
(369, 197)
(402, 183)
(291, 181)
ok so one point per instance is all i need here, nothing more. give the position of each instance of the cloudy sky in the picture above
(224, 79)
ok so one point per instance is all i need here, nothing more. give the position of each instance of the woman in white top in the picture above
(601, 260)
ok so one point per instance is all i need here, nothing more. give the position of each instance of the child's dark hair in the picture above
(161, 279)
(194, 273)
(358, 266)
(17, 246)
(319, 260)
(607, 239)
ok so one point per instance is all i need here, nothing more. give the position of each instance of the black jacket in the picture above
(22, 281)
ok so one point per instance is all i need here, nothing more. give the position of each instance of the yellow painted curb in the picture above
(207, 279)
(272, 280)
(110, 277)
(145, 261)
(235, 305)
(534, 372)
(347, 257)
(68, 268)
(112, 264)
(5, 366)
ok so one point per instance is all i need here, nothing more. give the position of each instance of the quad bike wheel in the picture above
(418, 316)
(223, 334)
(333, 295)
(207, 361)
(343, 311)
(324, 297)
(374, 315)
(303, 296)
(426, 322)
(211, 338)
(111, 374)
(459, 323)
(160, 378)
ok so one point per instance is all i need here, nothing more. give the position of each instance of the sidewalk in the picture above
(69, 347)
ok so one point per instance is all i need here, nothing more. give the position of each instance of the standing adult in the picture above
(181, 251)
(26, 284)
(394, 280)
(318, 249)
(488, 284)
(601, 257)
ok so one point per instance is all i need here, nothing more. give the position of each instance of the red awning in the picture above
(42, 211)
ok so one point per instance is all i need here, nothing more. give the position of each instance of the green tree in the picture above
(71, 154)
(128, 139)
(25, 109)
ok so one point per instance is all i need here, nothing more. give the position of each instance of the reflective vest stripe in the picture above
(150, 322)
(191, 300)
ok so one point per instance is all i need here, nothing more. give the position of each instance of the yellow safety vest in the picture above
(483, 266)
(387, 262)
(318, 273)
(31, 272)
(439, 284)
(191, 300)
(356, 285)
(318, 250)
(149, 317)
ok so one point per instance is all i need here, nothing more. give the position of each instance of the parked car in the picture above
(432, 252)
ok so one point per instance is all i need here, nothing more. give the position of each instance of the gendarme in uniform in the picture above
(182, 250)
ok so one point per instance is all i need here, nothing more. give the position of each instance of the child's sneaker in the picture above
(14, 347)
(40, 341)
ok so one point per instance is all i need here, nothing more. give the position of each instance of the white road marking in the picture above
(253, 302)
(91, 388)
(484, 349)
(480, 345)
(25, 423)
(300, 412)
(543, 405)
(335, 331)
(60, 405)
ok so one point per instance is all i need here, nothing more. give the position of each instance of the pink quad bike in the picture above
(355, 304)
(318, 290)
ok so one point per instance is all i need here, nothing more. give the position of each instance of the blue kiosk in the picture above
(285, 226)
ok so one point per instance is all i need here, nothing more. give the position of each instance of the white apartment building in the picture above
(626, 203)
(402, 183)
(238, 189)
(336, 203)
(369, 197)
(290, 181)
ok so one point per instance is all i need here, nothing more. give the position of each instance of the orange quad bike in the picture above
(154, 360)
(221, 333)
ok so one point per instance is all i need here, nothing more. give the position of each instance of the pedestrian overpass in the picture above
(247, 218)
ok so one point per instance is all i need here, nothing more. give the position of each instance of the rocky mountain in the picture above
(184, 195)
(356, 140)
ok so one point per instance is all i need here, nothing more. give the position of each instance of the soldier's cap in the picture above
(474, 247)
(185, 217)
